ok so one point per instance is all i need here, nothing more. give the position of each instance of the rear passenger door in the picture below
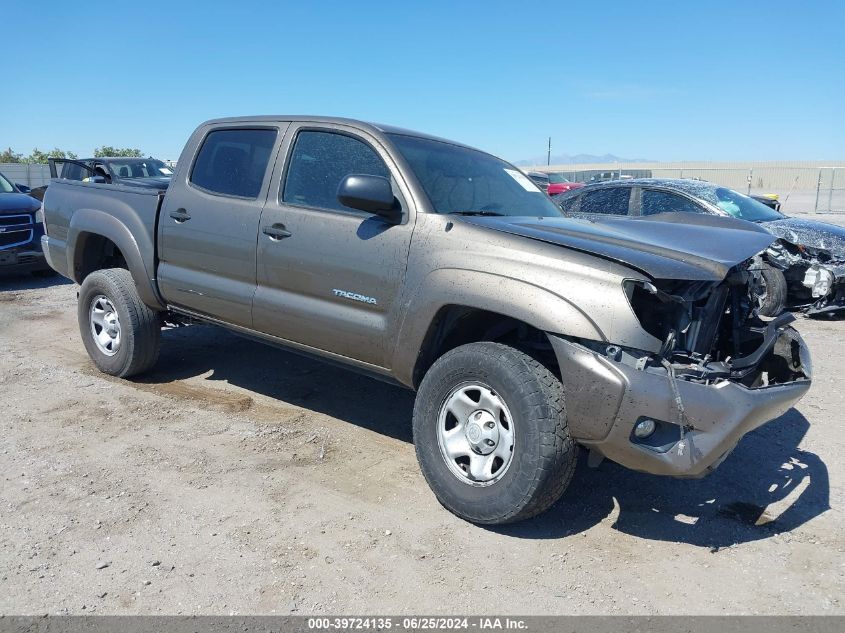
(208, 225)
(604, 202)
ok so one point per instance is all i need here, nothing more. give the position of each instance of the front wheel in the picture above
(772, 291)
(491, 435)
(120, 333)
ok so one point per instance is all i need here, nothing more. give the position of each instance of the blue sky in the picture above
(712, 80)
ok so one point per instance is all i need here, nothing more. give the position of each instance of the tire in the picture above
(774, 289)
(531, 419)
(110, 310)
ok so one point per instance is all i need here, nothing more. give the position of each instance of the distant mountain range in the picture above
(579, 159)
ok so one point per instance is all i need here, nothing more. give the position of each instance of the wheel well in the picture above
(454, 326)
(95, 252)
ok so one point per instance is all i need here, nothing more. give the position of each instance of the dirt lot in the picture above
(237, 478)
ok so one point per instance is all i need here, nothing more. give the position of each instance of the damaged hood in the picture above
(664, 246)
(818, 235)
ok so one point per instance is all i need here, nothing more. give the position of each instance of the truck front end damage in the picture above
(720, 372)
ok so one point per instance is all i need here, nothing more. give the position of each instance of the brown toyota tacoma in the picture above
(430, 264)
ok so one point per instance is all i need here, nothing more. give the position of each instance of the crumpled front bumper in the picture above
(606, 398)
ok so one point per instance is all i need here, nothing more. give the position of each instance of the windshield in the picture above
(5, 185)
(740, 206)
(139, 168)
(557, 179)
(462, 180)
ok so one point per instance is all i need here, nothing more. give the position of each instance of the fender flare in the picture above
(102, 224)
(514, 298)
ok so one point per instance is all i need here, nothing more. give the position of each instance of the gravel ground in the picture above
(237, 478)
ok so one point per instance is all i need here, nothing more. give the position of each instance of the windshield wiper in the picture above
(489, 213)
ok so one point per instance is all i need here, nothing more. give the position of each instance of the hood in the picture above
(664, 246)
(810, 233)
(17, 202)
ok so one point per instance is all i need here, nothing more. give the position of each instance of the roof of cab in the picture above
(365, 125)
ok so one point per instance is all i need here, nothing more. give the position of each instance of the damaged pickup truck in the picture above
(433, 265)
(803, 270)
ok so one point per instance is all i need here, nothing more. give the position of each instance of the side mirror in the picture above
(22, 188)
(369, 193)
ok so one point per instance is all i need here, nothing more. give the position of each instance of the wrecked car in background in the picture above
(803, 270)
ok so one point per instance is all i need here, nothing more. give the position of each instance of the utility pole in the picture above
(549, 153)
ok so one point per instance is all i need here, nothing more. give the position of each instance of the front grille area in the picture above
(15, 230)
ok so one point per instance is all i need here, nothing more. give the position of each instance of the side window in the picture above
(72, 171)
(609, 201)
(320, 161)
(233, 162)
(654, 202)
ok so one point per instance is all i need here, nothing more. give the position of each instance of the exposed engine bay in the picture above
(712, 331)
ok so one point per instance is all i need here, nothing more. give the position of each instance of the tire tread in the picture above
(144, 327)
(557, 450)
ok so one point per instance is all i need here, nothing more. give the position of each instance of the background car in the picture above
(560, 184)
(140, 172)
(540, 178)
(804, 269)
(21, 228)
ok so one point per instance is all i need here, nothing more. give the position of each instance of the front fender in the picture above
(85, 222)
(515, 298)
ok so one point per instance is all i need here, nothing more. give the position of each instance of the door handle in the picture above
(180, 215)
(276, 232)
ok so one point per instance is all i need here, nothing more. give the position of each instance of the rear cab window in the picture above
(233, 162)
(320, 160)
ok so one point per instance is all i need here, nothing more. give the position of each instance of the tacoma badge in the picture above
(354, 296)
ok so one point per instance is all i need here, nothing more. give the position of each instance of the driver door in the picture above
(329, 276)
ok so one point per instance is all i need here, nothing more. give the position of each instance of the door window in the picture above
(318, 164)
(71, 170)
(233, 162)
(654, 202)
(609, 201)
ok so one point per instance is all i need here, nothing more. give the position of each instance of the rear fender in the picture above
(93, 222)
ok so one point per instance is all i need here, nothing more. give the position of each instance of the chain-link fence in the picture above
(830, 190)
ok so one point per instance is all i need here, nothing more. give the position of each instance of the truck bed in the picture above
(124, 214)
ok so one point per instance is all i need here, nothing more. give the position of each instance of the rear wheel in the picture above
(490, 434)
(772, 291)
(120, 333)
